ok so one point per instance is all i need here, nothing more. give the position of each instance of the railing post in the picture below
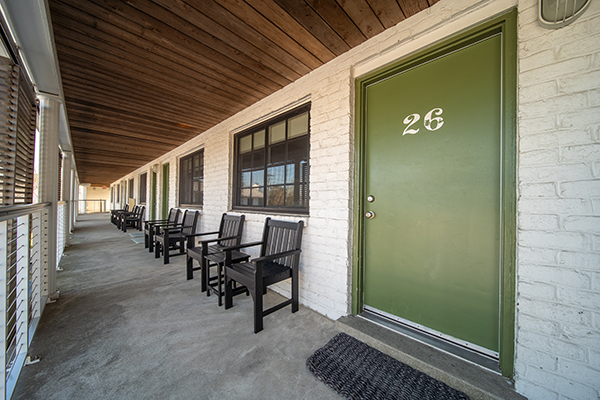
(22, 312)
(35, 266)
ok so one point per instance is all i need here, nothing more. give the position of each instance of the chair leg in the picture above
(228, 293)
(156, 249)
(294, 290)
(190, 267)
(151, 239)
(219, 286)
(165, 254)
(203, 274)
(146, 240)
(257, 296)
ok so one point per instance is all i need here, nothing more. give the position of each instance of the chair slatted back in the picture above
(231, 225)
(280, 236)
(173, 215)
(190, 218)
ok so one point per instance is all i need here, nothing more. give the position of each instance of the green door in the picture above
(165, 192)
(433, 172)
(154, 197)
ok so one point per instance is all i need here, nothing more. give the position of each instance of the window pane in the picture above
(290, 173)
(277, 154)
(258, 177)
(297, 149)
(259, 159)
(245, 144)
(275, 175)
(298, 126)
(246, 161)
(303, 195)
(246, 179)
(289, 196)
(304, 171)
(245, 197)
(259, 140)
(257, 196)
(277, 133)
(275, 195)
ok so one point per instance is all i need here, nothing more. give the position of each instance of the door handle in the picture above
(370, 214)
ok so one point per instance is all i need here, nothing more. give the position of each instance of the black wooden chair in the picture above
(120, 215)
(279, 257)
(174, 237)
(114, 214)
(229, 234)
(133, 219)
(149, 227)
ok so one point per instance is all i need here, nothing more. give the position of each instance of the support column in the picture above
(74, 199)
(48, 179)
(66, 192)
(84, 194)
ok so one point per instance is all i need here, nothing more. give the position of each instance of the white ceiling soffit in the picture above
(29, 21)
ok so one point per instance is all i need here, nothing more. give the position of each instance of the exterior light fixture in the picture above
(554, 14)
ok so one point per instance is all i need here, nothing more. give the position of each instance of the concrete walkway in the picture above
(128, 327)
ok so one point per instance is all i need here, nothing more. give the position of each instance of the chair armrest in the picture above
(241, 246)
(174, 228)
(155, 221)
(278, 255)
(218, 238)
(203, 233)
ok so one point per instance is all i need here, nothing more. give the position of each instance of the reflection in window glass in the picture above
(191, 179)
(272, 164)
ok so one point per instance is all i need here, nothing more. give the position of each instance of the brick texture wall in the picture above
(558, 260)
(558, 318)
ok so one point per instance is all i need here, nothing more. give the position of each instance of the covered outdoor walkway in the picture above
(128, 327)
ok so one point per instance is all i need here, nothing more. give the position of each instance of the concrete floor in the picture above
(128, 327)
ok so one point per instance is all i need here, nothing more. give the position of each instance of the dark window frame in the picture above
(143, 188)
(187, 176)
(131, 189)
(298, 185)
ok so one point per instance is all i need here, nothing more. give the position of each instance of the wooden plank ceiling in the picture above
(141, 77)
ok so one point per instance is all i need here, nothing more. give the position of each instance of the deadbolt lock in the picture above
(370, 214)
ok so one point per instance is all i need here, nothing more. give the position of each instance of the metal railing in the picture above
(24, 250)
(91, 206)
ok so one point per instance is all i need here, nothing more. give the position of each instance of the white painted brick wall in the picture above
(558, 259)
(558, 336)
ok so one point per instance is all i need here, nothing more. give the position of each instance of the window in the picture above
(271, 164)
(143, 187)
(131, 188)
(191, 179)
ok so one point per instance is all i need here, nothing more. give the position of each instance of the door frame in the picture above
(153, 195)
(164, 204)
(505, 24)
